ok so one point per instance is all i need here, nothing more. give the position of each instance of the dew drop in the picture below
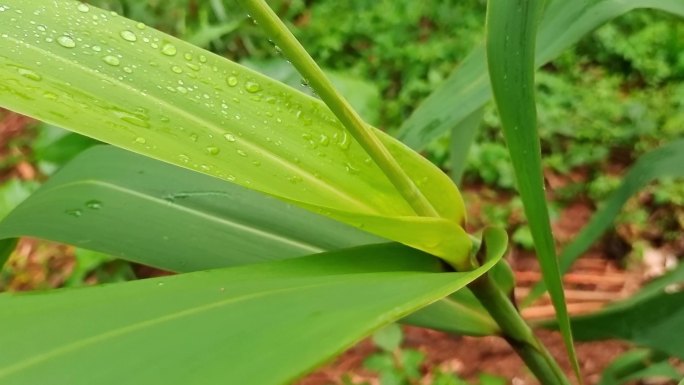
(344, 142)
(140, 26)
(252, 87)
(187, 56)
(351, 169)
(177, 69)
(94, 204)
(241, 153)
(76, 213)
(202, 59)
(213, 150)
(140, 140)
(229, 137)
(111, 60)
(232, 81)
(83, 8)
(41, 28)
(128, 36)
(128, 70)
(169, 49)
(192, 66)
(97, 48)
(66, 41)
(194, 137)
(294, 179)
(324, 140)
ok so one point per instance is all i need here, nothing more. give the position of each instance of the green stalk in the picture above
(517, 332)
(514, 328)
(307, 67)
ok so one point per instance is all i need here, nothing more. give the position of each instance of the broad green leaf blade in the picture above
(651, 318)
(663, 162)
(511, 32)
(123, 83)
(467, 88)
(143, 210)
(259, 324)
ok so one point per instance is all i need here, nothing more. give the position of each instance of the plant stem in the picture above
(516, 331)
(307, 67)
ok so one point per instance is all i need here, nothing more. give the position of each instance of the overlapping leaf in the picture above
(143, 210)
(258, 324)
(130, 206)
(101, 75)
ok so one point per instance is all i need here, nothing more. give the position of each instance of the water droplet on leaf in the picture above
(128, 36)
(94, 204)
(66, 41)
(252, 87)
(169, 49)
(111, 60)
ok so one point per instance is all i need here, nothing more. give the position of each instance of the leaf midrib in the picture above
(213, 218)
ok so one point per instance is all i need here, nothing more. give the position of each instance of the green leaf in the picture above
(223, 224)
(143, 210)
(120, 82)
(663, 162)
(638, 364)
(511, 32)
(258, 324)
(363, 95)
(563, 24)
(651, 318)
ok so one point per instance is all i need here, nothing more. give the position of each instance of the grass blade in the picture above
(663, 162)
(511, 32)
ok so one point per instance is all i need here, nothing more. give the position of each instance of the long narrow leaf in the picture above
(123, 83)
(259, 324)
(511, 32)
(664, 162)
(467, 88)
(143, 210)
